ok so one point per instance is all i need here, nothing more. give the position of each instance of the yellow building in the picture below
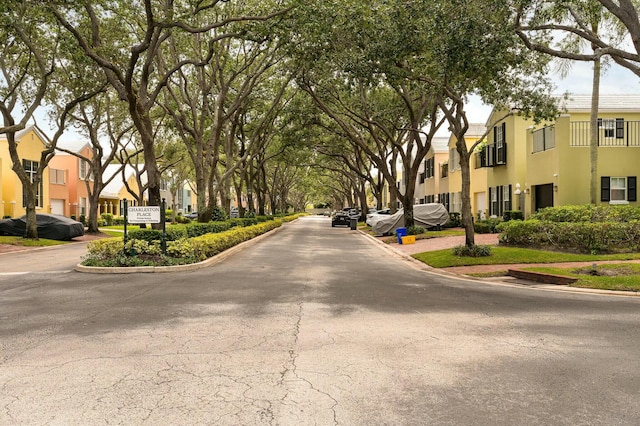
(451, 194)
(116, 190)
(535, 166)
(431, 180)
(558, 158)
(30, 146)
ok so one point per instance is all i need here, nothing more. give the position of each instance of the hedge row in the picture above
(190, 249)
(583, 237)
(181, 249)
(589, 213)
(195, 229)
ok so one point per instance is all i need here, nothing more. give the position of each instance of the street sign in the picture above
(147, 214)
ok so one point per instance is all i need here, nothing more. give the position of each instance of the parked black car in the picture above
(50, 226)
(344, 216)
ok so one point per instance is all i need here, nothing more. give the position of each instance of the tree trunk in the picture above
(467, 215)
(593, 145)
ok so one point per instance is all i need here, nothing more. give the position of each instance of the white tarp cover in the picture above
(425, 215)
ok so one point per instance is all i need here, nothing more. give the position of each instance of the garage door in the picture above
(57, 207)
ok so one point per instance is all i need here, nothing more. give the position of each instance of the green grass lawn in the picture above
(509, 255)
(614, 276)
(617, 276)
(20, 241)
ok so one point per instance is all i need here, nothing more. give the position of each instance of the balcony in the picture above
(614, 132)
(544, 139)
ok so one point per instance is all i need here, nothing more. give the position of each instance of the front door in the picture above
(544, 196)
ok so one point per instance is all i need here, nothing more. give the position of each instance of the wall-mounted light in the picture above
(517, 191)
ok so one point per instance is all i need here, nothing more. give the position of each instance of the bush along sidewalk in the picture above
(145, 249)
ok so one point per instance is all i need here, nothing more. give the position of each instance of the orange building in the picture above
(68, 178)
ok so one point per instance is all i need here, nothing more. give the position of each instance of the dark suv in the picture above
(344, 216)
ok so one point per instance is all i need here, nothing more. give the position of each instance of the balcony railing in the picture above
(616, 132)
(544, 139)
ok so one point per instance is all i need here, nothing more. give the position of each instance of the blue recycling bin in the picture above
(401, 232)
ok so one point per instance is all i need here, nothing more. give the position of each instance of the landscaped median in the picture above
(143, 253)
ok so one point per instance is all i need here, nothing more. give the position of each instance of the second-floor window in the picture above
(31, 169)
(500, 141)
(454, 159)
(56, 176)
(84, 170)
(611, 128)
(429, 167)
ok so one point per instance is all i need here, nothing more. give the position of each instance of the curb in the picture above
(552, 287)
(178, 268)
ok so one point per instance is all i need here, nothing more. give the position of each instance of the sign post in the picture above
(147, 214)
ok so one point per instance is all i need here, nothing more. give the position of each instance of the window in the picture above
(83, 206)
(499, 139)
(611, 128)
(454, 159)
(618, 190)
(31, 169)
(83, 169)
(506, 198)
(429, 166)
(56, 176)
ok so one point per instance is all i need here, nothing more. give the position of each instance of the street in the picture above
(313, 325)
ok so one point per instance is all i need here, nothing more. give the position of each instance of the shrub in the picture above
(105, 248)
(589, 213)
(455, 220)
(415, 230)
(473, 251)
(218, 215)
(487, 226)
(512, 215)
(145, 234)
(107, 219)
(583, 237)
(111, 252)
(83, 219)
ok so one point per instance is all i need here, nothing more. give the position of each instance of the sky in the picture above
(615, 80)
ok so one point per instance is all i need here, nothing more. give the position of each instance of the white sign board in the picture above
(148, 214)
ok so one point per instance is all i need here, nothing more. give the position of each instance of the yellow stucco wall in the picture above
(30, 147)
(568, 167)
(478, 176)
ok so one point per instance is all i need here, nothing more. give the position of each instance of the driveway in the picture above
(312, 326)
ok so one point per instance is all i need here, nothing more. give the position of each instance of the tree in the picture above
(110, 138)
(623, 14)
(582, 15)
(129, 58)
(28, 62)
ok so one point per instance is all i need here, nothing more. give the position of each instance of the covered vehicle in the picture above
(50, 226)
(374, 216)
(426, 215)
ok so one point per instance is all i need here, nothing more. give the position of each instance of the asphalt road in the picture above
(311, 326)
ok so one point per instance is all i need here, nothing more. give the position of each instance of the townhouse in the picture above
(450, 191)
(535, 166)
(432, 179)
(70, 180)
(30, 144)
